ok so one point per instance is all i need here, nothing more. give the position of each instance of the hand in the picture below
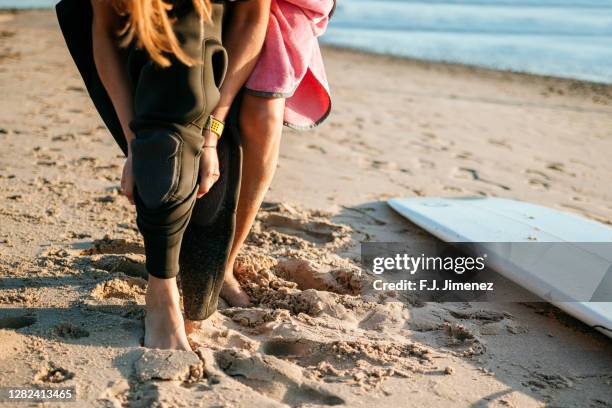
(127, 179)
(209, 169)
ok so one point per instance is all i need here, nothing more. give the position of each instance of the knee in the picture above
(261, 123)
(159, 166)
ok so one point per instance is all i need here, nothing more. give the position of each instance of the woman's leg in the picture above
(165, 158)
(168, 142)
(170, 107)
(164, 320)
(261, 125)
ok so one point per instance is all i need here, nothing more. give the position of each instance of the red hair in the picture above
(149, 23)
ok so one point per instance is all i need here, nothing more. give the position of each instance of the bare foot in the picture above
(164, 331)
(164, 325)
(232, 293)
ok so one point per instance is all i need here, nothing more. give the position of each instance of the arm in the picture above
(114, 77)
(110, 65)
(243, 41)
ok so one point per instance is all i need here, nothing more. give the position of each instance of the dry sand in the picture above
(71, 263)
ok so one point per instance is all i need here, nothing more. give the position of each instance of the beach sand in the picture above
(71, 263)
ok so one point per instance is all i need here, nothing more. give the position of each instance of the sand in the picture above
(71, 261)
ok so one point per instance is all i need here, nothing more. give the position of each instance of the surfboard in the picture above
(570, 266)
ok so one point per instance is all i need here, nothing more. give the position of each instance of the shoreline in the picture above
(600, 88)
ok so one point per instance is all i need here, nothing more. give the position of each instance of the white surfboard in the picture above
(578, 269)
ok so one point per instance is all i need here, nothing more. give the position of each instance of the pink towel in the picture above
(290, 64)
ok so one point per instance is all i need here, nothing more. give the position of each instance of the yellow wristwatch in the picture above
(215, 126)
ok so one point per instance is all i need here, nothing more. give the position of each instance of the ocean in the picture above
(563, 38)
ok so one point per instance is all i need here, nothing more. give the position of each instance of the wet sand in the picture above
(71, 261)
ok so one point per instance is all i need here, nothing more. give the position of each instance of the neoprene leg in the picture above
(171, 106)
(208, 239)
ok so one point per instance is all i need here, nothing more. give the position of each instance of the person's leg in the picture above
(165, 101)
(261, 125)
(164, 320)
(171, 105)
(207, 241)
(165, 169)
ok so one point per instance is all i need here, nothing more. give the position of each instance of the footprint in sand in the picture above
(53, 373)
(69, 331)
(129, 264)
(310, 302)
(214, 333)
(425, 164)
(314, 231)
(480, 314)
(274, 378)
(310, 275)
(538, 173)
(475, 175)
(465, 155)
(500, 142)
(17, 322)
(538, 178)
(268, 290)
(254, 317)
(560, 167)
(539, 183)
(64, 137)
(487, 322)
(463, 340)
(123, 296)
(121, 288)
(458, 332)
(108, 245)
(386, 317)
(317, 148)
(452, 188)
(541, 381)
(293, 348)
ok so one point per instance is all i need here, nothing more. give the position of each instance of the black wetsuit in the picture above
(171, 106)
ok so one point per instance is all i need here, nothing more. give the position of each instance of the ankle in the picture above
(231, 281)
(162, 292)
(229, 267)
(155, 301)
